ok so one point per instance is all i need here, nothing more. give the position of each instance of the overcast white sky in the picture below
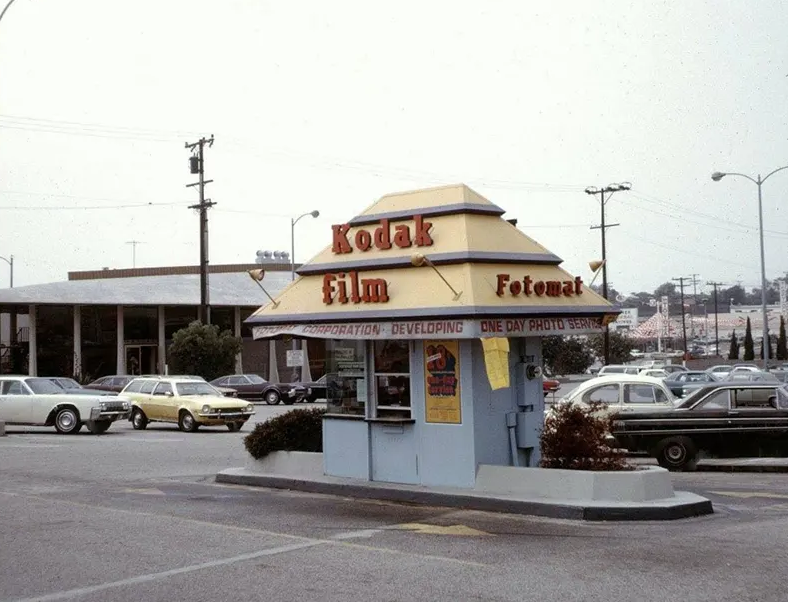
(330, 105)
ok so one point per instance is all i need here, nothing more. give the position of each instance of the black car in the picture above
(725, 419)
(677, 381)
(114, 383)
(315, 390)
(736, 377)
(255, 387)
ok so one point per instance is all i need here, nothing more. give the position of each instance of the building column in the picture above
(121, 344)
(32, 362)
(162, 341)
(239, 361)
(77, 341)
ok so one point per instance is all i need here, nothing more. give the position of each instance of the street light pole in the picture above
(293, 222)
(10, 262)
(717, 176)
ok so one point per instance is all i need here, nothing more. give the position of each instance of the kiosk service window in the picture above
(392, 379)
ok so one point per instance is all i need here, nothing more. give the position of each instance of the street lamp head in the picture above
(315, 213)
(717, 176)
(592, 190)
(625, 186)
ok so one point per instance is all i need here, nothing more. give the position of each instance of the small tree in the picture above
(782, 344)
(621, 347)
(203, 350)
(749, 349)
(575, 437)
(733, 354)
(565, 355)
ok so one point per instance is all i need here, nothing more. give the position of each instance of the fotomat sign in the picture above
(383, 237)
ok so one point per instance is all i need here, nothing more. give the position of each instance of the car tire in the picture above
(677, 454)
(272, 397)
(67, 421)
(138, 420)
(186, 422)
(234, 427)
(288, 401)
(99, 427)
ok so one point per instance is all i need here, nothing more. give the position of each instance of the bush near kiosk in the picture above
(296, 430)
(574, 437)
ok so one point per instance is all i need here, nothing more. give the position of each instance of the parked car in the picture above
(619, 369)
(253, 386)
(677, 381)
(720, 371)
(71, 386)
(40, 402)
(550, 385)
(737, 377)
(654, 372)
(623, 393)
(226, 391)
(671, 368)
(315, 390)
(189, 403)
(114, 383)
(724, 419)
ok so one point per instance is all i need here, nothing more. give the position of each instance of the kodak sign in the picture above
(383, 237)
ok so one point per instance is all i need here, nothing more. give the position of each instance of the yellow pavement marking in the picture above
(752, 494)
(460, 530)
(145, 491)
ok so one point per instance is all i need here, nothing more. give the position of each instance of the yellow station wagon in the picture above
(188, 403)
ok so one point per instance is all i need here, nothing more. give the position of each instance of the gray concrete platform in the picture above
(682, 505)
(743, 465)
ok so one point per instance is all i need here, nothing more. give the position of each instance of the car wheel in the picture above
(677, 453)
(288, 401)
(67, 421)
(234, 426)
(99, 426)
(187, 423)
(138, 420)
(272, 397)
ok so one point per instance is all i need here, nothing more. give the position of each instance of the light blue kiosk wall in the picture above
(494, 424)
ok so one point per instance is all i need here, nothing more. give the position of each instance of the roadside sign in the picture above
(295, 357)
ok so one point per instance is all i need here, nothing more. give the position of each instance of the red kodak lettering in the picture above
(340, 244)
(423, 238)
(383, 235)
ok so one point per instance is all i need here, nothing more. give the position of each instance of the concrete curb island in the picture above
(638, 495)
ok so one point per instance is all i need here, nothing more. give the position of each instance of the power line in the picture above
(83, 207)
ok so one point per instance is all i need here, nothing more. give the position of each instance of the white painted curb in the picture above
(642, 485)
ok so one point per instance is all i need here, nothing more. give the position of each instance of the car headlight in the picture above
(250, 408)
(206, 409)
(103, 405)
(125, 405)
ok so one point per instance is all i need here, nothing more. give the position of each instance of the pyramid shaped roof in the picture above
(434, 254)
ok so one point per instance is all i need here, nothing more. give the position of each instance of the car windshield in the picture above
(195, 388)
(255, 379)
(68, 383)
(43, 386)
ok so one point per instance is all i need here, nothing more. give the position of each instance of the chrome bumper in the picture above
(99, 414)
(225, 415)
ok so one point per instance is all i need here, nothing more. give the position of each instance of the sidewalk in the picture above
(731, 464)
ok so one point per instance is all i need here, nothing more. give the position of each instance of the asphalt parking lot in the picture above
(135, 515)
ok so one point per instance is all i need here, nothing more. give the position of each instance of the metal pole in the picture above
(763, 278)
(604, 277)
(292, 249)
(716, 325)
(12, 271)
(683, 320)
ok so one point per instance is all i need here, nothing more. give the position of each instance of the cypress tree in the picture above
(782, 344)
(733, 354)
(749, 347)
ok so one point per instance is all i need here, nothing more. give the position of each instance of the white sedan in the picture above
(624, 393)
(40, 402)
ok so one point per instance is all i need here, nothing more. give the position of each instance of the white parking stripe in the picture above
(82, 591)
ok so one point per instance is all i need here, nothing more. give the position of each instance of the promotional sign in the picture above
(628, 318)
(295, 357)
(437, 329)
(442, 382)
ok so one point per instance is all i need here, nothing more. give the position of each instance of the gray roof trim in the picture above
(230, 289)
(476, 208)
(438, 312)
(437, 258)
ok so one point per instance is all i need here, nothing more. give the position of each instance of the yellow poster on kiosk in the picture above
(442, 382)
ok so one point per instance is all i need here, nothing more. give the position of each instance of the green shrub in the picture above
(575, 437)
(296, 430)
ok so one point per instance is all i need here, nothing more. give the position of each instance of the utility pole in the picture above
(593, 190)
(197, 166)
(683, 313)
(695, 282)
(716, 326)
(134, 244)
